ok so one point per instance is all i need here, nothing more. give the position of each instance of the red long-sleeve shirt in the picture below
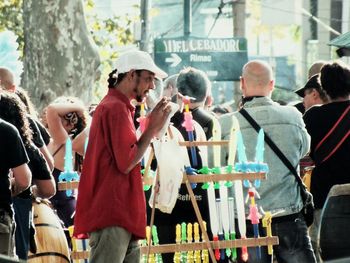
(107, 196)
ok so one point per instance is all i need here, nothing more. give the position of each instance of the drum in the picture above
(334, 226)
(51, 242)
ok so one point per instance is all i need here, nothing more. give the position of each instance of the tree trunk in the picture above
(60, 57)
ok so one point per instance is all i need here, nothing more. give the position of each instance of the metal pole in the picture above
(187, 18)
(145, 24)
(239, 16)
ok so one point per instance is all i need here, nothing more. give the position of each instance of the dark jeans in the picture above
(294, 242)
(23, 210)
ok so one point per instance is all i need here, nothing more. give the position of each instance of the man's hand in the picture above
(159, 115)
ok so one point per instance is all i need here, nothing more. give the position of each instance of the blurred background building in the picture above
(290, 35)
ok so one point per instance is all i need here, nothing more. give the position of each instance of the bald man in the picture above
(280, 191)
(316, 67)
(7, 81)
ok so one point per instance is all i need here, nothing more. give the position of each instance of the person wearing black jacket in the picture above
(13, 159)
(332, 160)
(12, 110)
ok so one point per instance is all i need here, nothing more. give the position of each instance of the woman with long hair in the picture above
(41, 137)
(13, 111)
(66, 117)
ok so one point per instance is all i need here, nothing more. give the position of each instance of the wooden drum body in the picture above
(335, 224)
(51, 242)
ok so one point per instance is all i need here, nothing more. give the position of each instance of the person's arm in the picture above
(44, 183)
(16, 159)
(44, 188)
(41, 141)
(156, 121)
(21, 179)
(54, 112)
(78, 143)
(48, 157)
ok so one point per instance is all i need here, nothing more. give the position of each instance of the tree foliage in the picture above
(11, 18)
(110, 35)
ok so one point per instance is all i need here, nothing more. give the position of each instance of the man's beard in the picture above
(138, 96)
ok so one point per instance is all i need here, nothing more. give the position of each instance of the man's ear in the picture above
(209, 101)
(272, 85)
(131, 74)
(315, 94)
(12, 88)
(242, 84)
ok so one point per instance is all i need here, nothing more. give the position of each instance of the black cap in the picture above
(312, 83)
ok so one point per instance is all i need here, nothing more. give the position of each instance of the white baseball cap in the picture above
(138, 60)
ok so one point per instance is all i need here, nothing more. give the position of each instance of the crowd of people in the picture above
(111, 208)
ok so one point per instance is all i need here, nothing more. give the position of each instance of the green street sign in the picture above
(221, 59)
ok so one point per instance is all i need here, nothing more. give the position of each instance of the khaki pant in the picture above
(7, 234)
(113, 245)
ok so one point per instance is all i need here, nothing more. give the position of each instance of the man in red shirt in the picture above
(111, 205)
